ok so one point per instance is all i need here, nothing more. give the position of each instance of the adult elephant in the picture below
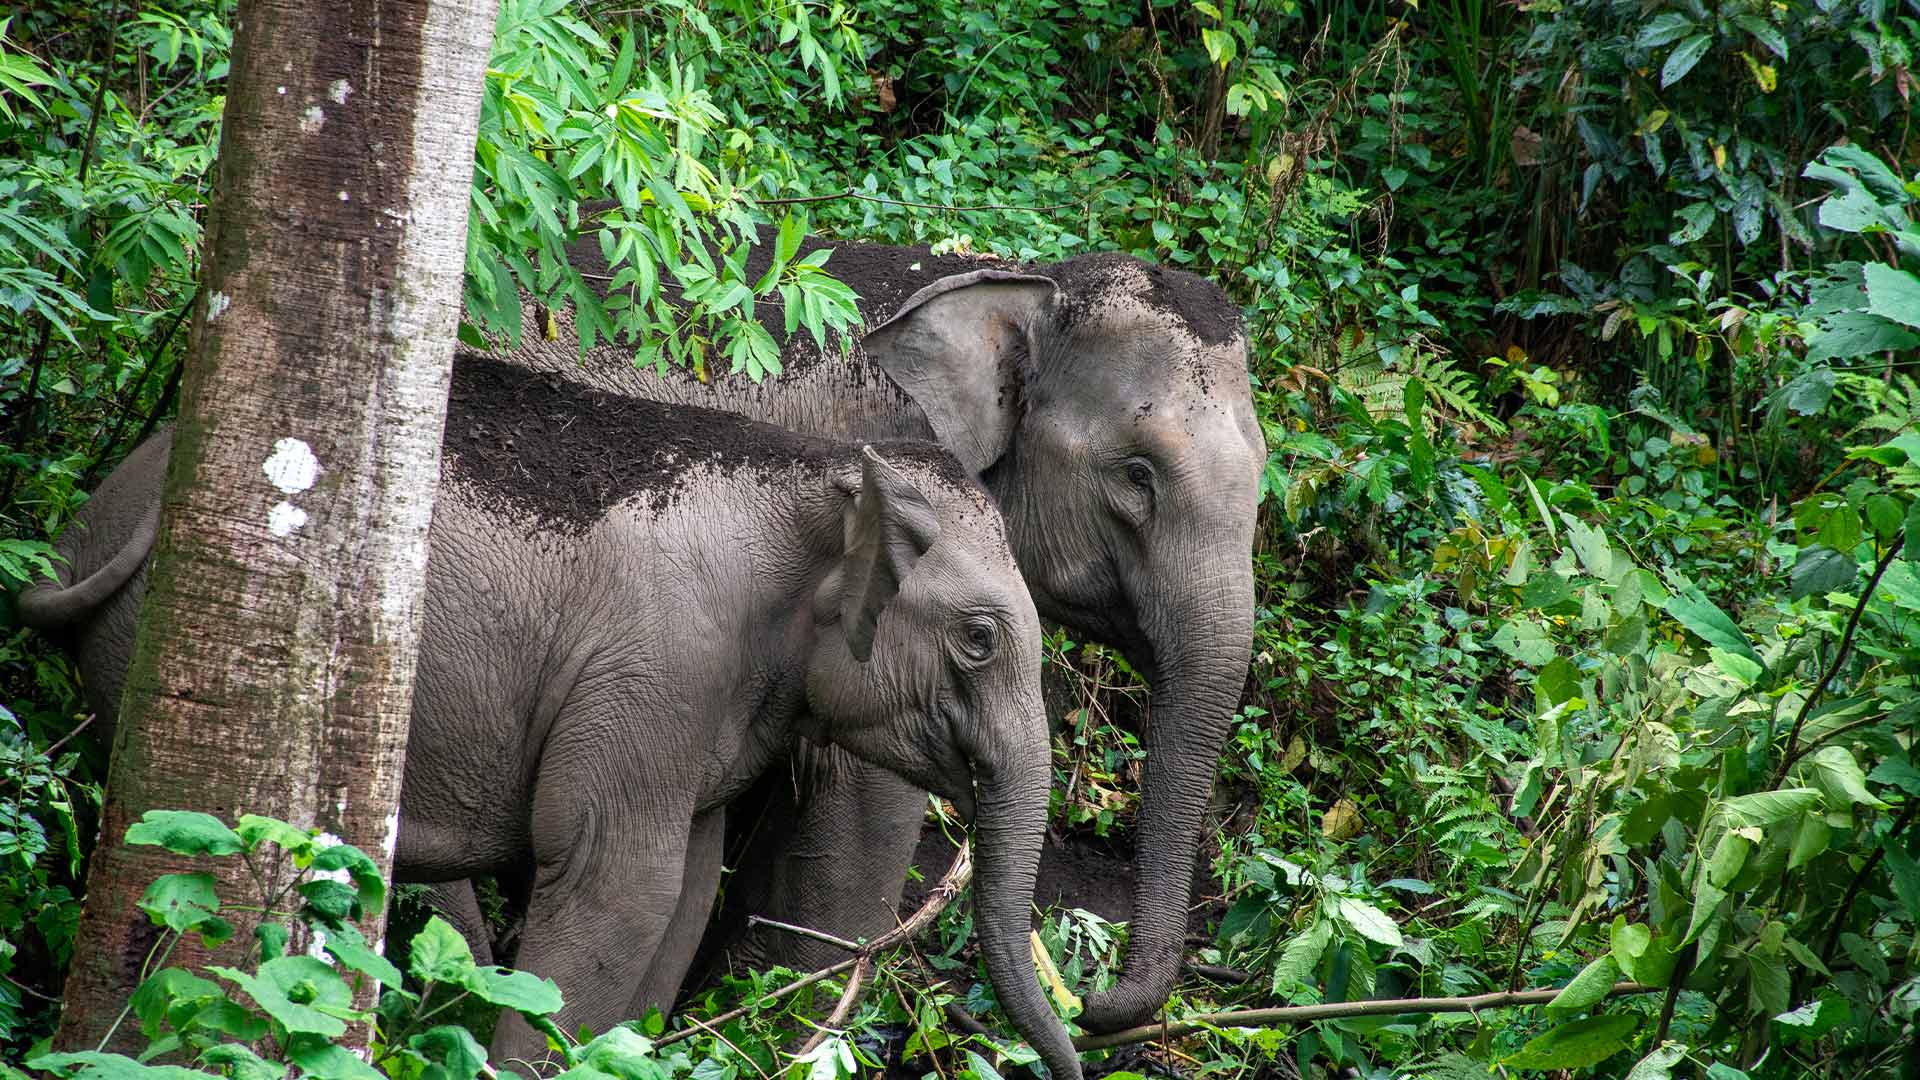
(1104, 402)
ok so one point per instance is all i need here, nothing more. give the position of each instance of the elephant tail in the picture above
(54, 605)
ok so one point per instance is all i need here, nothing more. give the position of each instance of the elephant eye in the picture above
(1140, 473)
(977, 638)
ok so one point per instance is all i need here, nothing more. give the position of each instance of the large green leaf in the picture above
(314, 982)
(1525, 640)
(185, 832)
(439, 954)
(453, 1049)
(1693, 610)
(1833, 770)
(1819, 570)
(185, 903)
(1763, 808)
(1682, 59)
(1301, 955)
(1587, 989)
(1370, 922)
(91, 1065)
(1578, 1044)
(1893, 294)
(521, 991)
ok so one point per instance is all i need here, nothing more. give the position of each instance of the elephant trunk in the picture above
(1201, 668)
(1009, 822)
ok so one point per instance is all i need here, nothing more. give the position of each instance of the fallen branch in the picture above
(950, 885)
(1306, 1014)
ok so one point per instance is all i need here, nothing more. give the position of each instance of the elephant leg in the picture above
(455, 902)
(841, 868)
(698, 884)
(605, 889)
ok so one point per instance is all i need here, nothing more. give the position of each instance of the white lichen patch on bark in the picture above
(292, 467)
(284, 518)
(312, 120)
(392, 841)
(217, 305)
(339, 91)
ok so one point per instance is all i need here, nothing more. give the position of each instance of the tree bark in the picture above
(273, 668)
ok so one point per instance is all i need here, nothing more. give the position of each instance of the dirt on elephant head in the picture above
(1089, 282)
(563, 454)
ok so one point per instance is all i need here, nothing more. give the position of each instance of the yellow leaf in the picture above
(1719, 155)
(549, 326)
(1763, 74)
(1654, 121)
(1342, 821)
(1068, 1001)
(1515, 354)
(1296, 753)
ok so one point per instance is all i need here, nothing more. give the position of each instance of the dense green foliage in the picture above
(1584, 334)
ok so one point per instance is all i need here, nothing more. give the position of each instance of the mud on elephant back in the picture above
(632, 610)
(1104, 402)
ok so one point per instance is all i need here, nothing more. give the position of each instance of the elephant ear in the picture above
(889, 525)
(957, 347)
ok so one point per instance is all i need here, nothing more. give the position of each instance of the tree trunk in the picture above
(273, 667)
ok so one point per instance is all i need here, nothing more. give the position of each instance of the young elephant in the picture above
(619, 641)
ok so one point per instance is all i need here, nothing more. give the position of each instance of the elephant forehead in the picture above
(1108, 286)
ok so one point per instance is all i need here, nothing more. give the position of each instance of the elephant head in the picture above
(934, 673)
(1105, 403)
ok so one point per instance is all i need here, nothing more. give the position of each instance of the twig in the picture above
(1860, 878)
(850, 997)
(806, 932)
(1306, 1014)
(1681, 969)
(697, 1022)
(1839, 656)
(850, 193)
(951, 883)
(1219, 974)
(113, 437)
(62, 741)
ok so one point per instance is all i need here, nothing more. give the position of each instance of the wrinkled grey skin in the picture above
(587, 703)
(1119, 439)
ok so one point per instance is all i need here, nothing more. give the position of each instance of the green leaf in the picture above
(453, 1048)
(320, 1059)
(314, 981)
(1587, 989)
(1577, 1044)
(1833, 770)
(255, 829)
(241, 1063)
(185, 903)
(1893, 294)
(1819, 570)
(439, 954)
(1639, 955)
(1659, 1064)
(1525, 640)
(1739, 668)
(91, 1065)
(185, 832)
(346, 944)
(1694, 611)
(1812, 1020)
(1809, 392)
(169, 996)
(521, 991)
(1682, 59)
(1763, 808)
(1898, 772)
(1301, 955)
(1663, 29)
(1370, 922)
(359, 867)
(1695, 220)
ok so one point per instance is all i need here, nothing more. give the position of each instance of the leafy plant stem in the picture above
(1681, 969)
(1860, 878)
(1839, 657)
(1307, 1014)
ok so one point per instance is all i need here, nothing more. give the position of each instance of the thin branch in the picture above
(850, 997)
(1860, 878)
(1307, 1014)
(62, 741)
(743, 1054)
(951, 883)
(807, 932)
(1839, 656)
